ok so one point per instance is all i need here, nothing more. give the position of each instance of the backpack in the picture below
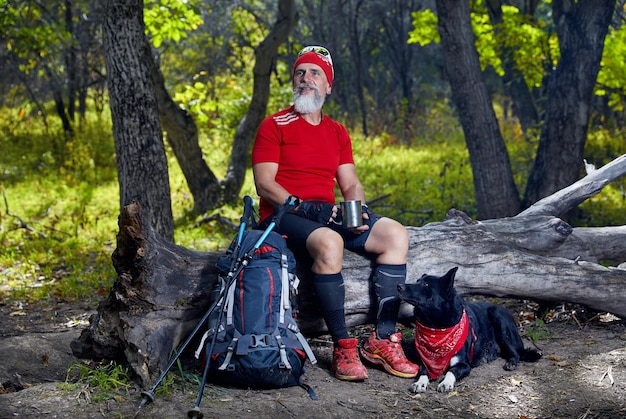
(258, 343)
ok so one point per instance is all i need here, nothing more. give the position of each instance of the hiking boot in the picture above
(389, 354)
(346, 362)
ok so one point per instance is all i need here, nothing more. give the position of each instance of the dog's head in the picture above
(435, 301)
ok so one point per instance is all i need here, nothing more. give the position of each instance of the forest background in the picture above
(58, 166)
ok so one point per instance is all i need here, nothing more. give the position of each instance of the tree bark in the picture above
(163, 289)
(141, 161)
(494, 187)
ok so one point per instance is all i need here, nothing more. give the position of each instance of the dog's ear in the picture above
(448, 278)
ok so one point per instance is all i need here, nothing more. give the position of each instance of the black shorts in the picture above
(297, 229)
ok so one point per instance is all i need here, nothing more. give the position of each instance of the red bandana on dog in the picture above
(437, 346)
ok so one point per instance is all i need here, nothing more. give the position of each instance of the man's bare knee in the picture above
(326, 248)
(389, 240)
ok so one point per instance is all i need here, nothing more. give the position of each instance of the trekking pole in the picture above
(246, 218)
(248, 204)
(148, 396)
(195, 411)
(208, 352)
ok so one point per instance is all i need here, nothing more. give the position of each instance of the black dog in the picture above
(453, 336)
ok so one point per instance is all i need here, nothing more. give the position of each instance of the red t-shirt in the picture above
(307, 155)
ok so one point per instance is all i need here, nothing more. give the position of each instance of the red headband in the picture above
(315, 58)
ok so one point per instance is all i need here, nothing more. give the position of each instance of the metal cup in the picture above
(351, 214)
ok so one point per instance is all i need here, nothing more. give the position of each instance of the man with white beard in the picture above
(300, 154)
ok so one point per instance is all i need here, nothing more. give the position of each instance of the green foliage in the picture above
(424, 28)
(534, 48)
(170, 20)
(611, 77)
(26, 37)
(220, 115)
(219, 92)
(56, 242)
(165, 389)
(486, 43)
(37, 39)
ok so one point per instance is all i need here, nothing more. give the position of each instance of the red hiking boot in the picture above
(346, 362)
(389, 354)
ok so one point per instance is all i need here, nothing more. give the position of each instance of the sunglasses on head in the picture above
(321, 51)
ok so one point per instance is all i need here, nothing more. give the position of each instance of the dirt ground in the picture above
(581, 375)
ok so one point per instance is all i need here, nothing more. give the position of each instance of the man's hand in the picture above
(317, 211)
(364, 227)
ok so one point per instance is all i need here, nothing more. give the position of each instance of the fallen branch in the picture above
(568, 198)
(22, 223)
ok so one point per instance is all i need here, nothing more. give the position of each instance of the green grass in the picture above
(538, 331)
(60, 198)
(104, 381)
(416, 185)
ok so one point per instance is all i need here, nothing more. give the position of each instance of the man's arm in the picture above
(349, 183)
(266, 185)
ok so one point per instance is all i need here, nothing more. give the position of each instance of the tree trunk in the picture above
(71, 63)
(494, 187)
(163, 289)
(581, 28)
(265, 55)
(57, 96)
(141, 161)
(182, 135)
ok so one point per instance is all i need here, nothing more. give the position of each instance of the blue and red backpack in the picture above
(258, 343)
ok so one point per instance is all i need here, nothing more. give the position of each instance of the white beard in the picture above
(307, 104)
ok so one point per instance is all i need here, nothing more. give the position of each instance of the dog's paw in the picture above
(447, 384)
(510, 365)
(420, 385)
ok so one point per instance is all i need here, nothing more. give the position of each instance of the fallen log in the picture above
(161, 292)
(162, 289)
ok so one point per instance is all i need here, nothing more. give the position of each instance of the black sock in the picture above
(386, 280)
(331, 296)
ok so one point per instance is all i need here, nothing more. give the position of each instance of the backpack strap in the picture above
(306, 347)
(230, 302)
(308, 388)
(283, 353)
(284, 295)
(229, 353)
(201, 345)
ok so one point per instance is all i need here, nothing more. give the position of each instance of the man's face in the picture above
(311, 74)
(310, 88)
